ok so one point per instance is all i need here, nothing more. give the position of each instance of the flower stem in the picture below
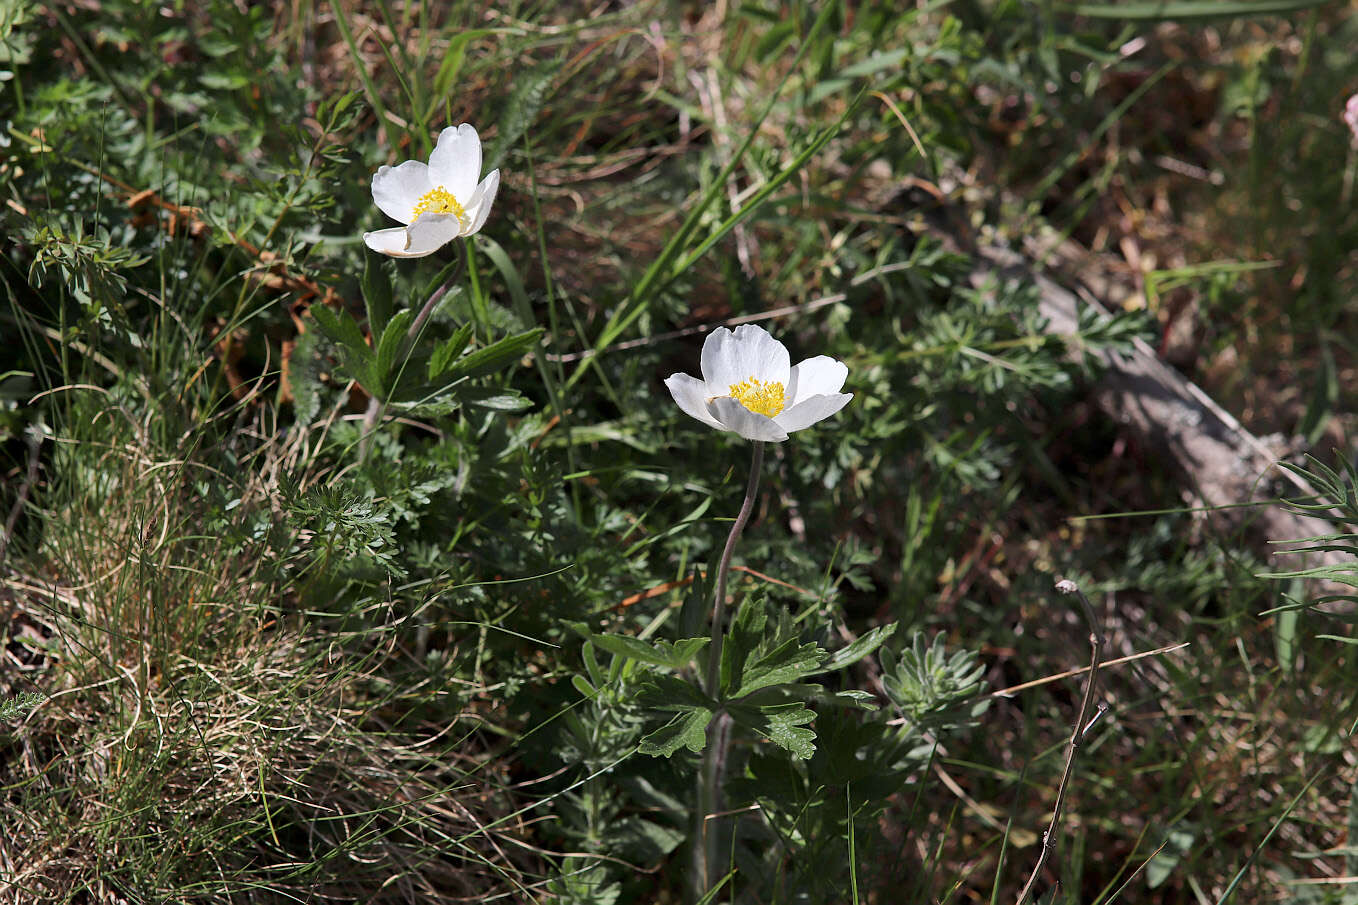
(378, 407)
(711, 774)
(719, 610)
(417, 325)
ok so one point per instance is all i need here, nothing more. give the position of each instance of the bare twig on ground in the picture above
(1225, 464)
(1083, 723)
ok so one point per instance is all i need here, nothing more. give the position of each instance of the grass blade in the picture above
(1194, 9)
(1254, 855)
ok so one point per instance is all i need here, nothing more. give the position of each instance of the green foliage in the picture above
(341, 527)
(391, 580)
(1335, 556)
(89, 267)
(935, 691)
(763, 663)
(20, 704)
(384, 371)
(676, 655)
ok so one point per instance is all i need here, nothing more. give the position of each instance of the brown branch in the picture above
(1224, 463)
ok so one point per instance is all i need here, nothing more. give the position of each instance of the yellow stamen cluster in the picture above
(438, 201)
(759, 397)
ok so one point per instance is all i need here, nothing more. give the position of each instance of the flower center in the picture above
(438, 201)
(759, 397)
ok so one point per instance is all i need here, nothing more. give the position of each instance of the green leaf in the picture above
(493, 399)
(785, 730)
(222, 81)
(448, 351)
(582, 685)
(854, 699)
(786, 663)
(662, 691)
(1178, 842)
(932, 687)
(376, 288)
(596, 674)
(625, 646)
(496, 355)
(1194, 9)
(774, 39)
(355, 356)
(860, 648)
(20, 704)
(662, 653)
(429, 405)
(688, 729)
(1285, 632)
(513, 281)
(780, 724)
(304, 377)
(389, 346)
(340, 329)
(744, 636)
(643, 840)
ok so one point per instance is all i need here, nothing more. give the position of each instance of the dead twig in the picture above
(1077, 735)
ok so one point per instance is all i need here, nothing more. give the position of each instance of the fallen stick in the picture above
(1224, 463)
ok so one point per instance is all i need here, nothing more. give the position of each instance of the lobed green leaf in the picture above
(687, 730)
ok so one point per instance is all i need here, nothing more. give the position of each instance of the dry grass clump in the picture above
(202, 737)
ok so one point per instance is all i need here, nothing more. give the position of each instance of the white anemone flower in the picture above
(438, 201)
(749, 389)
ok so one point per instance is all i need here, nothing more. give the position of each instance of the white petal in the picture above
(750, 425)
(819, 376)
(482, 199)
(423, 237)
(431, 232)
(397, 190)
(691, 394)
(388, 241)
(456, 162)
(807, 413)
(748, 352)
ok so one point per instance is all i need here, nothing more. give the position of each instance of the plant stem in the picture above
(719, 730)
(1077, 735)
(377, 407)
(710, 776)
(418, 323)
(724, 569)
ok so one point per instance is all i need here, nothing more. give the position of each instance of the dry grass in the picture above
(202, 740)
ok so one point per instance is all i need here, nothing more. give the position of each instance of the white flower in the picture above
(438, 201)
(748, 388)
